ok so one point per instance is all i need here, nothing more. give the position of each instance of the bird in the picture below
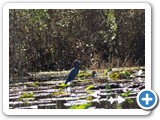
(94, 74)
(73, 72)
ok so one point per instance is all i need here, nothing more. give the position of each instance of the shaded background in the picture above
(44, 40)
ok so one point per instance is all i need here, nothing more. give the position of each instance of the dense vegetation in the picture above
(43, 40)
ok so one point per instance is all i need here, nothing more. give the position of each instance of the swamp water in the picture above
(46, 91)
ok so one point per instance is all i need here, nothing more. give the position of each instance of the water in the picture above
(49, 94)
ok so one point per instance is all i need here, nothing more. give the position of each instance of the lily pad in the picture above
(114, 75)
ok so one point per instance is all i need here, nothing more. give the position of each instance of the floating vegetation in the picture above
(129, 100)
(89, 87)
(60, 92)
(35, 84)
(126, 94)
(118, 92)
(89, 91)
(81, 74)
(87, 75)
(107, 70)
(26, 103)
(124, 74)
(26, 95)
(89, 98)
(82, 106)
(114, 75)
(84, 74)
(63, 85)
(108, 86)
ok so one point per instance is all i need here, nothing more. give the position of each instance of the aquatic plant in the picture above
(82, 106)
(26, 95)
(89, 87)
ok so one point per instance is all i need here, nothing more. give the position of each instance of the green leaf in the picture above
(81, 74)
(26, 103)
(108, 86)
(89, 98)
(113, 76)
(73, 107)
(63, 85)
(83, 106)
(129, 100)
(126, 94)
(30, 95)
(89, 91)
(26, 95)
(89, 87)
(60, 92)
(35, 84)
(125, 74)
(107, 70)
(87, 75)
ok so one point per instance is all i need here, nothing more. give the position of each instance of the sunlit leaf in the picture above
(125, 74)
(89, 87)
(26, 103)
(89, 98)
(83, 106)
(89, 91)
(26, 95)
(113, 76)
(126, 94)
(81, 74)
(87, 75)
(73, 107)
(129, 100)
(63, 85)
(108, 86)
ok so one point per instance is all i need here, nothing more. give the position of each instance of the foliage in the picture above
(60, 92)
(26, 103)
(26, 95)
(89, 91)
(51, 39)
(108, 86)
(73, 107)
(126, 94)
(81, 74)
(129, 100)
(125, 74)
(87, 75)
(35, 84)
(89, 87)
(63, 85)
(82, 106)
(114, 75)
(84, 74)
(89, 98)
(107, 70)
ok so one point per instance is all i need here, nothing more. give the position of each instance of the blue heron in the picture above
(74, 71)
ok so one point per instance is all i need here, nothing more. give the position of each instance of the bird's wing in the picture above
(71, 75)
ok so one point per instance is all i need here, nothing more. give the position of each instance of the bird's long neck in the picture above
(76, 67)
